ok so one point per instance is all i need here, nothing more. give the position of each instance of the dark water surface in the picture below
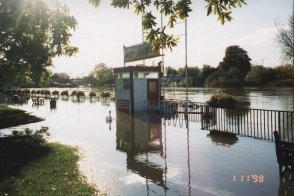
(147, 155)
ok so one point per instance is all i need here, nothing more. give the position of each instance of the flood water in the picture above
(147, 155)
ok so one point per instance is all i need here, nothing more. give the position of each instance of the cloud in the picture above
(260, 36)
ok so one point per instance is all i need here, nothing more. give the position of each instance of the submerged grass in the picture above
(13, 117)
(30, 166)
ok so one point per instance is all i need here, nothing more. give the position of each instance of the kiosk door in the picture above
(153, 91)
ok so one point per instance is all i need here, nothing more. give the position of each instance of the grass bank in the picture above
(13, 117)
(30, 166)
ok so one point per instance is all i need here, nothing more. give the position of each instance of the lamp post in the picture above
(262, 61)
(186, 71)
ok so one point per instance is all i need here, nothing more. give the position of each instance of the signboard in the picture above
(139, 52)
(123, 105)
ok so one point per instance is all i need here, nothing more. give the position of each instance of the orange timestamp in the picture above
(253, 178)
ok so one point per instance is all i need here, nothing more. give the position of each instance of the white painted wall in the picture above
(140, 94)
(121, 93)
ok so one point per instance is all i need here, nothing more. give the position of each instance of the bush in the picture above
(105, 94)
(221, 100)
(64, 93)
(80, 94)
(92, 94)
(73, 93)
(55, 92)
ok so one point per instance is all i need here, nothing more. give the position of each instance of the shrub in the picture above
(55, 92)
(92, 94)
(105, 94)
(64, 93)
(221, 100)
(73, 93)
(80, 94)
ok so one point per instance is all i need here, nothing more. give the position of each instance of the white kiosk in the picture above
(136, 87)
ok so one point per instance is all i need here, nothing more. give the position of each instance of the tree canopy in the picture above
(174, 11)
(235, 57)
(32, 33)
(286, 40)
(103, 75)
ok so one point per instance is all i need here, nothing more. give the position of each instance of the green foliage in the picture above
(232, 70)
(102, 75)
(260, 76)
(30, 166)
(59, 78)
(105, 94)
(170, 71)
(213, 79)
(8, 117)
(221, 100)
(73, 93)
(80, 94)
(285, 72)
(174, 11)
(32, 33)
(206, 71)
(64, 93)
(235, 57)
(222, 8)
(92, 94)
(55, 92)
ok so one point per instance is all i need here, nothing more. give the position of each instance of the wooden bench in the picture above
(285, 155)
(38, 101)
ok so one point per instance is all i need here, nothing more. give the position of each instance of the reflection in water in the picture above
(287, 185)
(221, 140)
(138, 138)
(163, 158)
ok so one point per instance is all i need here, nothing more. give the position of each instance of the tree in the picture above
(206, 71)
(170, 72)
(60, 78)
(102, 75)
(174, 11)
(235, 57)
(286, 40)
(260, 76)
(32, 33)
(193, 75)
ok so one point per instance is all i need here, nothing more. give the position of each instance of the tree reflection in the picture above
(222, 139)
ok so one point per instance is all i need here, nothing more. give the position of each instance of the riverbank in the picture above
(31, 166)
(10, 117)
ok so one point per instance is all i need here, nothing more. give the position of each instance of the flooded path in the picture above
(145, 155)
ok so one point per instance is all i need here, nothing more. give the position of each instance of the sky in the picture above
(102, 32)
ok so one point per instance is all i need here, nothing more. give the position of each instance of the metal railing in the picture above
(257, 123)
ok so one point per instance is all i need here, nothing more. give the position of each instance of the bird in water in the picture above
(109, 118)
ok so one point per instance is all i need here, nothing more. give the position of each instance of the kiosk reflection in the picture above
(141, 139)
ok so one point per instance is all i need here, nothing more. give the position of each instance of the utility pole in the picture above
(293, 33)
(186, 70)
(262, 61)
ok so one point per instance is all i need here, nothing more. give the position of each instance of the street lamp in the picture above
(262, 61)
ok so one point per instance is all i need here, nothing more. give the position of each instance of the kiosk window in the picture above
(152, 87)
(126, 83)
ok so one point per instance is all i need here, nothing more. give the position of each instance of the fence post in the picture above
(279, 123)
(238, 121)
(201, 113)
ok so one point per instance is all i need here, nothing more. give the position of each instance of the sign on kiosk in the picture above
(139, 52)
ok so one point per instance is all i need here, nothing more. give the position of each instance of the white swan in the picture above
(109, 118)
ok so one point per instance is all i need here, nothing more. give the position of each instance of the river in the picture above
(145, 155)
